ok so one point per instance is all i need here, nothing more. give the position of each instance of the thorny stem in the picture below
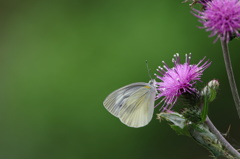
(230, 74)
(224, 142)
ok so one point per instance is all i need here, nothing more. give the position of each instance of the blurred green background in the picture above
(59, 60)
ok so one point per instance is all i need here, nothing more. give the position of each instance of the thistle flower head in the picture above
(221, 17)
(178, 80)
(203, 2)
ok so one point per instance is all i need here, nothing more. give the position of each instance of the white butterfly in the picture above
(133, 104)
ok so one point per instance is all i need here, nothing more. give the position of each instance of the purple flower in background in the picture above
(196, 1)
(178, 80)
(221, 17)
(203, 2)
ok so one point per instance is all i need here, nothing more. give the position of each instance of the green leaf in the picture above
(180, 131)
(177, 122)
(205, 109)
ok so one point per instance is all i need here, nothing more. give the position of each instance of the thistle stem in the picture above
(230, 74)
(224, 142)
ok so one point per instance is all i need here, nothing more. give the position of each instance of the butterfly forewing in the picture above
(115, 100)
(137, 110)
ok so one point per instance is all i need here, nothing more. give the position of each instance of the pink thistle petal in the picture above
(178, 80)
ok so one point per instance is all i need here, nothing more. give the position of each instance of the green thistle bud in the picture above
(210, 91)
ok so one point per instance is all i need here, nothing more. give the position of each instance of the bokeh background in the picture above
(59, 60)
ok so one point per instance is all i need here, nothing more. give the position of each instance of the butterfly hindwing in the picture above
(137, 110)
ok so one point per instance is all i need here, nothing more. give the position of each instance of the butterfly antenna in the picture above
(149, 70)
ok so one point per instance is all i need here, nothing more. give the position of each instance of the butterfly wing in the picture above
(115, 100)
(137, 110)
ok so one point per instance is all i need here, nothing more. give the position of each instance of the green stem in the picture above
(224, 142)
(230, 74)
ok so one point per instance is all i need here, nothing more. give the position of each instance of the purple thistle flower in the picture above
(203, 2)
(178, 80)
(221, 17)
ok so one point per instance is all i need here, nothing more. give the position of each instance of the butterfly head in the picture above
(152, 82)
